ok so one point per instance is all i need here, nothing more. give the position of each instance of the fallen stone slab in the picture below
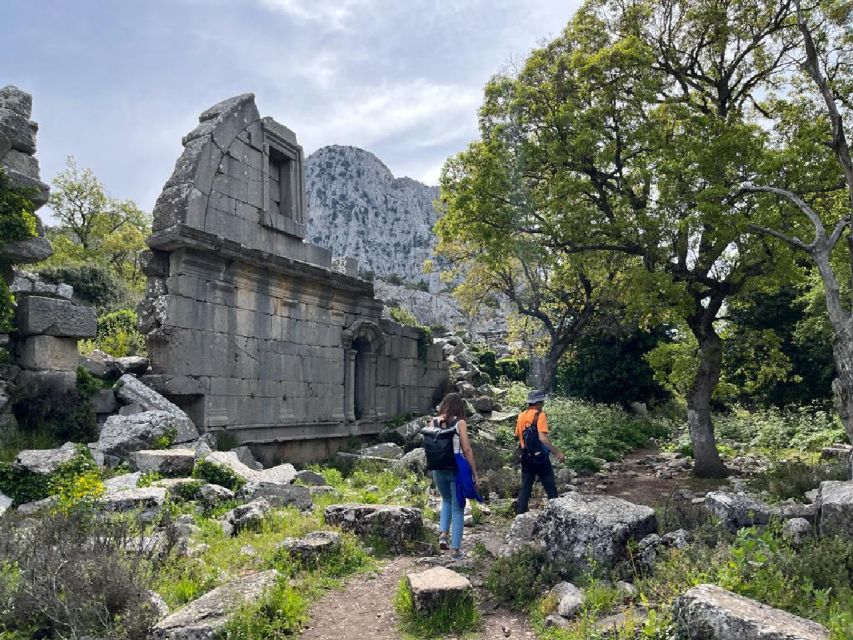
(835, 508)
(280, 474)
(433, 588)
(737, 511)
(131, 390)
(279, 495)
(104, 401)
(46, 461)
(213, 494)
(310, 478)
(122, 435)
(384, 450)
(578, 529)
(708, 612)
(132, 499)
(414, 460)
(204, 618)
(313, 546)
(244, 454)
(391, 525)
(123, 482)
(167, 462)
(611, 626)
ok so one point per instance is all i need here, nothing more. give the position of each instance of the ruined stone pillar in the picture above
(370, 400)
(349, 384)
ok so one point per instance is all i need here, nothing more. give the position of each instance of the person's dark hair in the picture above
(452, 407)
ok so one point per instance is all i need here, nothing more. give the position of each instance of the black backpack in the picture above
(533, 453)
(438, 446)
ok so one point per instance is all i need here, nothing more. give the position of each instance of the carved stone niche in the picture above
(284, 180)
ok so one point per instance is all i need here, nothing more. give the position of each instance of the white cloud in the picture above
(332, 13)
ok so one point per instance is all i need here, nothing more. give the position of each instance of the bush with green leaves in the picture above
(805, 428)
(279, 612)
(519, 579)
(24, 486)
(217, 474)
(93, 284)
(452, 613)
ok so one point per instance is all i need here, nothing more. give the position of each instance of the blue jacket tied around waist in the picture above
(465, 487)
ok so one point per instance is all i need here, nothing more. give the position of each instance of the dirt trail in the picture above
(363, 607)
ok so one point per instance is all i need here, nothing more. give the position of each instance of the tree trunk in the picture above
(549, 370)
(708, 463)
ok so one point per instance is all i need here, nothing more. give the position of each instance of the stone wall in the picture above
(249, 327)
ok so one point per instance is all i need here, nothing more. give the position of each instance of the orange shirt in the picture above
(525, 419)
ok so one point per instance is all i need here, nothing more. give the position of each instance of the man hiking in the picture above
(531, 429)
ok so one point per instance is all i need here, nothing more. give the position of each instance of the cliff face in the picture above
(358, 209)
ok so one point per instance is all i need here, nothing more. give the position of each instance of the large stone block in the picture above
(204, 618)
(122, 435)
(48, 353)
(167, 462)
(578, 529)
(436, 588)
(37, 315)
(394, 526)
(835, 509)
(736, 511)
(45, 461)
(132, 391)
(26, 251)
(16, 100)
(18, 130)
(708, 612)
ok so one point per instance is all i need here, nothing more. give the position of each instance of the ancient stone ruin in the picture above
(250, 329)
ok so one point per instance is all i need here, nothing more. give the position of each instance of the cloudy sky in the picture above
(116, 83)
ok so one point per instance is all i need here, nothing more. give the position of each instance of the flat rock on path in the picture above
(364, 608)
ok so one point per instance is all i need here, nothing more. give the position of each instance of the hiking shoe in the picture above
(443, 542)
(457, 555)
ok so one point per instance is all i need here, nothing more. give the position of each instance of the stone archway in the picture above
(362, 342)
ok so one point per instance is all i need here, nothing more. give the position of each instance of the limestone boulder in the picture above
(393, 526)
(433, 588)
(797, 531)
(206, 617)
(384, 450)
(26, 251)
(484, 404)
(414, 460)
(310, 478)
(577, 528)
(122, 435)
(213, 494)
(45, 461)
(131, 390)
(407, 434)
(708, 612)
(167, 462)
(569, 599)
(280, 474)
(244, 454)
(278, 494)
(104, 401)
(5, 503)
(132, 499)
(736, 511)
(835, 509)
(313, 546)
(246, 516)
(521, 534)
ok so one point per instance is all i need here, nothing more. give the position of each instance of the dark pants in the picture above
(545, 473)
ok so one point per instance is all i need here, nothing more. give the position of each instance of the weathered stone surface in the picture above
(104, 401)
(408, 433)
(432, 588)
(26, 251)
(384, 450)
(101, 365)
(131, 391)
(797, 530)
(736, 511)
(5, 503)
(313, 546)
(708, 612)
(31, 283)
(168, 462)
(202, 619)
(46, 461)
(569, 598)
(246, 516)
(521, 534)
(577, 528)
(122, 435)
(17, 129)
(278, 494)
(281, 474)
(835, 508)
(130, 499)
(244, 454)
(394, 526)
(48, 353)
(484, 404)
(17, 101)
(122, 482)
(39, 315)
(36, 506)
(414, 460)
(310, 478)
(213, 494)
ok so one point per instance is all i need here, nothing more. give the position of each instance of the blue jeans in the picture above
(452, 515)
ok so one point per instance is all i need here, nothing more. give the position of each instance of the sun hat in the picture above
(536, 396)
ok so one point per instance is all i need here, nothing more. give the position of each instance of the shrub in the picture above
(118, 336)
(518, 580)
(93, 284)
(403, 316)
(793, 478)
(217, 474)
(77, 479)
(806, 428)
(513, 369)
(75, 575)
(452, 614)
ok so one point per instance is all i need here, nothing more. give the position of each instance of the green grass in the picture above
(452, 614)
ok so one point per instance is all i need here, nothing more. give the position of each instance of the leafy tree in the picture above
(812, 172)
(17, 222)
(96, 229)
(629, 134)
